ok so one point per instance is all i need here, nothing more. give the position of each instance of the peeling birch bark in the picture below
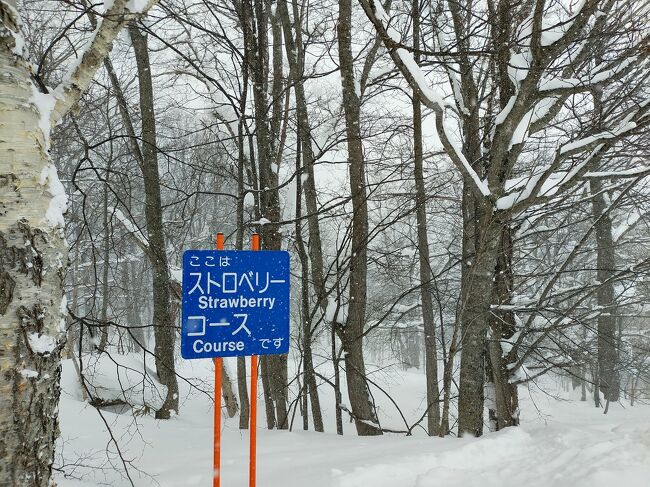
(32, 260)
(33, 252)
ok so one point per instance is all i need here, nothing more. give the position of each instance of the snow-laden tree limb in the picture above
(143, 242)
(430, 97)
(550, 181)
(81, 73)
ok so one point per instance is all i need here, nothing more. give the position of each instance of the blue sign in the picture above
(235, 302)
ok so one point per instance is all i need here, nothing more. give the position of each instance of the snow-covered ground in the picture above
(560, 443)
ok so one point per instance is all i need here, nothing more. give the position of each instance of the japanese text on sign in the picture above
(235, 303)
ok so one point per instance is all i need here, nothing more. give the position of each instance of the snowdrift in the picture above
(131, 379)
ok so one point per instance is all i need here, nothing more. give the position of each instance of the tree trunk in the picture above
(163, 321)
(243, 393)
(596, 389)
(254, 26)
(32, 259)
(310, 386)
(608, 373)
(103, 331)
(447, 378)
(267, 128)
(228, 393)
(502, 326)
(355, 370)
(430, 351)
(336, 360)
(480, 246)
(242, 388)
(295, 56)
(72, 331)
(268, 396)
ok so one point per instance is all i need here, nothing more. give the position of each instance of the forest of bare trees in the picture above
(463, 187)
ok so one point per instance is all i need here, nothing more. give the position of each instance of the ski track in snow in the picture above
(555, 455)
(568, 444)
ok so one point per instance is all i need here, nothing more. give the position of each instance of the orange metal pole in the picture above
(216, 480)
(216, 473)
(252, 470)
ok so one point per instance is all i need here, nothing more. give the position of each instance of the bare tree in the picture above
(163, 320)
(542, 63)
(353, 332)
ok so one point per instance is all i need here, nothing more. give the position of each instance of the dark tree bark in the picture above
(352, 336)
(242, 388)
(103, 332)
(255, 19)
(295, 56)
(426, 294)
(310, 387)
(163, 321)
(609, 379)
(476, 298)
(505, 408)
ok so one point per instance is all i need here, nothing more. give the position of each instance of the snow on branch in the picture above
(116, 15)
(403, 58)
(132, 228)
(553, 32)
(632, 219)
(586, 143)
(175, 273)
(553, 44)
(443, 129)
(431, 98)
(604, 75)
(624, 173)
(550, 180)
(453, 76)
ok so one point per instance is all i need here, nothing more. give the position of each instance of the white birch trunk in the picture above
(32, 260)
(33, 252)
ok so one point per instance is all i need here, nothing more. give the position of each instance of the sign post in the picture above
(216, 473)
(235, 303)
(252, 466)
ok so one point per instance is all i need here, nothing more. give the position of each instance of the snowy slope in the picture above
(561, 443)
